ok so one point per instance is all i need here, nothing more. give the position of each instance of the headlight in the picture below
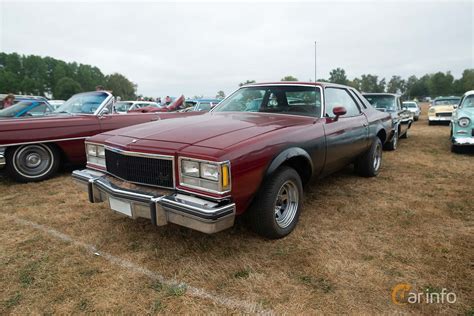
(190, 168)
(95, 154)
(205, 175)
(209, 171)
(432, 110)
(464, 122)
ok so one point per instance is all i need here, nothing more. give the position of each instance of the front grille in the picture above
(443, 114)
(143, 170)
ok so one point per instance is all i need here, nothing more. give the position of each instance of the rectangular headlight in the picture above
(190, 168)
(95, 154)
(210, 171)
(205, 175)
(91, 150)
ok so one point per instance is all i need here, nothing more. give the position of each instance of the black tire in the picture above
(455, 149)
(416, 118)
(392, 145)
(430, 123)
(367, 166)
(263, 215)
(32, 163)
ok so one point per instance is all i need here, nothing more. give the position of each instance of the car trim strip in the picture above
(45, 141)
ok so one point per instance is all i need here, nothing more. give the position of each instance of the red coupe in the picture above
(254, 152)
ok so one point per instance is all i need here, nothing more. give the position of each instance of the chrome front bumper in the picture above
(439, 118)
(184, 210)
(463, 141)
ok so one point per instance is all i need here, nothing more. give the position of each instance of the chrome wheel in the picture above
(286, 204)
(33, 161)
(377, 157)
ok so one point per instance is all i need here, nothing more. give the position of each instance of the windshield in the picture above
(453, 101)
(296, 100)
(83, 103)
(20, 107)
(203, 106)
(385, 102)
(410, 105)
(468, 102)
(122, 106)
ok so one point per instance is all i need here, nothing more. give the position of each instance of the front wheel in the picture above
(31, 163)
(276, 209)
(368, 165)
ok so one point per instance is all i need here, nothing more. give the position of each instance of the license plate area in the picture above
(120, 206)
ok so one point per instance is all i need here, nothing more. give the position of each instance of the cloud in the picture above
(200, 48)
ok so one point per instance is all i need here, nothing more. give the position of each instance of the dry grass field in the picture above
(357, 238)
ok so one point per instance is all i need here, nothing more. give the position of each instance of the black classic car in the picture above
(402, 118)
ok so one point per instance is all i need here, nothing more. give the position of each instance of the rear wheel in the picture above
(392, 145)
(30, 163)
(368, 165)
(276, 209)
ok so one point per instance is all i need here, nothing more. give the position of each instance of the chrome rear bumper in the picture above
(185, 210)
(463, 141)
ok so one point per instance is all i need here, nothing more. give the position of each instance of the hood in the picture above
(213, 130)
(443, 108)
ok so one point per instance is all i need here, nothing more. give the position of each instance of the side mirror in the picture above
(455, 106)
(339, 111)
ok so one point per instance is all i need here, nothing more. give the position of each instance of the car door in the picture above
(346, 136)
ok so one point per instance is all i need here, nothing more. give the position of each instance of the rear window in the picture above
(446, 101)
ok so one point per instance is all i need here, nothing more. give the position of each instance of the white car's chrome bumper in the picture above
(439, 118)
(185, 210)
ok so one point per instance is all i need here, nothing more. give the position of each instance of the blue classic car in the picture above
(26, 106)
(462, 123)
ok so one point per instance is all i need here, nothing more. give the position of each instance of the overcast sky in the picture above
(200, 48)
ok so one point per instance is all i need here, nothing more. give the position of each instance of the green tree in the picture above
(120, 86)
(220, 94)
(289, 78)
(370, 83)
(396, 85)
(441, 84)
(66, 87)
(246, 82)
(338, 75)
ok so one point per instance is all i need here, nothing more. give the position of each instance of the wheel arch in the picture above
(296, 158)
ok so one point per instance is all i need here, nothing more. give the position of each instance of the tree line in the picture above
(429, 85)
(47, 76)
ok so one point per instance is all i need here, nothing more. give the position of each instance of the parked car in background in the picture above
(200, 104)
(27, 108)
(56, 103)
(203, 171)
(33, 148)
(176, 105)
(414, 108)
(441, 109)
(462, 123)
(123, 107)
(402, 118)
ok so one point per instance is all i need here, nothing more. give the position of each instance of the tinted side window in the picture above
(340, 97)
